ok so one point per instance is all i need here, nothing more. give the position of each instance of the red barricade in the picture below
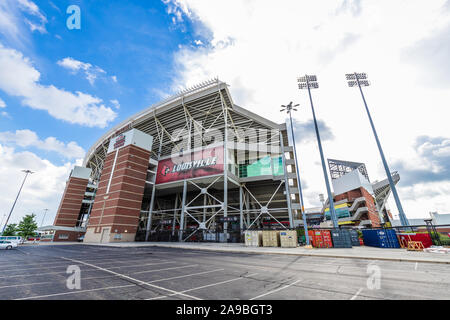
(404, 238)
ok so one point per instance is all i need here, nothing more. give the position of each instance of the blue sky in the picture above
(61, 89)
(133, 41)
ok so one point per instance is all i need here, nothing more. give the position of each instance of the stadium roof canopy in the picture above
(195, 109)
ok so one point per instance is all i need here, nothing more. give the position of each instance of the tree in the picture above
(10, 230)
(27, 227)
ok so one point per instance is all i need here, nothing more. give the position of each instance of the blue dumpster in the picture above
(384, 238)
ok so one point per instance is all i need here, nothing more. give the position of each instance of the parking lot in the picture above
(40, 272)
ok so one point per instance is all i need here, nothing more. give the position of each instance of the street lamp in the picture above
(45, 212)
(289, 109)
(310, 82)
(360, 80)
(14, 204)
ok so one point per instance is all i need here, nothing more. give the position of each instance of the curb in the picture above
(286, 253)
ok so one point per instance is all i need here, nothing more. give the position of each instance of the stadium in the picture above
(192, 167)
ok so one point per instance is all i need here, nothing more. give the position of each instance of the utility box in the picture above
(288, 239)
(253, 238)
(341, 238)
(271, 238)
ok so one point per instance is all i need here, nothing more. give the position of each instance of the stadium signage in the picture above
(131, 137)
(196, 164)
(120, 141)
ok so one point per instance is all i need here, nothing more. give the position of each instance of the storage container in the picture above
(354, 237)
(384, 238)
(341, 238)
(326, 235)
(320, 238)
(271, 238)
(253, 238)
(288, 239)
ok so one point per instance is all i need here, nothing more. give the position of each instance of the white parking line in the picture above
(185, 276)
(66, 265)
(37, 274)
(356, 294)
(79, 291)
(206, 286)
(173, 268)
(132, 279)
(276, 290)
(415, 267)
(33, 264)
(93, 278)
(22, 251)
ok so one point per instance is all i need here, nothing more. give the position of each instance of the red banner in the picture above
(203, 163)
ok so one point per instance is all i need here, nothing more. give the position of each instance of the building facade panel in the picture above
(123, 187)
(71, 201)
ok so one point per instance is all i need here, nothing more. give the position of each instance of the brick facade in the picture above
(351, 195)
(117, 206)
(70, 205)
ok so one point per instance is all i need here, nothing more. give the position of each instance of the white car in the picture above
(8, 245)
(15, 239)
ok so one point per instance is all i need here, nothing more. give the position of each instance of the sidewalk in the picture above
(370, 253)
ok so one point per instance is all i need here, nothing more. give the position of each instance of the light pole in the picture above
(45, 212)
(360, 80)
(310, 82)
(289, 109)
(4, 215)
(14, 204)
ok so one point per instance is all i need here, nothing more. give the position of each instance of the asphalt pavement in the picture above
(122, 273)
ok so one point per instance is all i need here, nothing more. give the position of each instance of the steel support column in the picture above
(241, 209)
(175, 214)
(225, 169)
(286, 183)
(183, 205)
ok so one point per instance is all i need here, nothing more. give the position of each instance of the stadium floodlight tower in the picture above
(310, 82)
(360, 80)
(27, 172)
(289, 109)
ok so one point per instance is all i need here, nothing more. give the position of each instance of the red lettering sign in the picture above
(120, 141)
(203, 163)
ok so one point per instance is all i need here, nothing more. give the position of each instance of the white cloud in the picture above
(43, 189)
(91, 72)
(19, 78)
(2, 103)
(114, 78)
(269, 44)
(28, 138)
(15, 15)
(115, 103)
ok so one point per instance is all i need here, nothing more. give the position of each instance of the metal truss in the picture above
(338, 168)
(178, 124)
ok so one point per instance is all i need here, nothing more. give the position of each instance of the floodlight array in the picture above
(310, 78)
(362, 83)
(306, 82)
(354, 78)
